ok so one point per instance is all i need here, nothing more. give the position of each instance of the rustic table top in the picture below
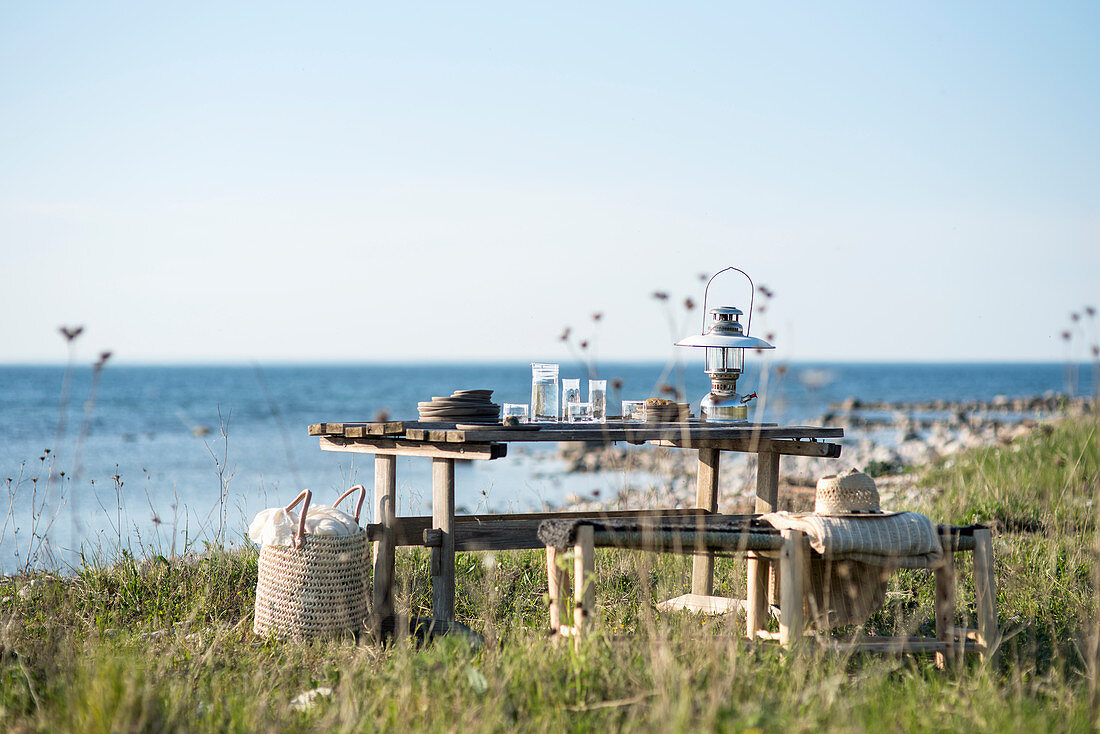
(693, 431)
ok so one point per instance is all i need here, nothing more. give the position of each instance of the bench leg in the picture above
(557, 587)
(584, 564)
(756, 612)
(985, 589)
(945, 601)
(792, 564)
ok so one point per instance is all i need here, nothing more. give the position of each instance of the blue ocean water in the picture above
(163, 457)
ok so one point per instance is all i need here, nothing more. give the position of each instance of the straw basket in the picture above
(315, 587)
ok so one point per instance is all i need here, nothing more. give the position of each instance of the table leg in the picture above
(706, 497)
(443, 557)
(767, 481)
(385, 509)
(759, 588)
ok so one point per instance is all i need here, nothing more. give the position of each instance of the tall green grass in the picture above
(166, 644)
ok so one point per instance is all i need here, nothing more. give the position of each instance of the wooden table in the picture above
(445, 534)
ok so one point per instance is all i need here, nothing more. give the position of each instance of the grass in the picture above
(166, 645)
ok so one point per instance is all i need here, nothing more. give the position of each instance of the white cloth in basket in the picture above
(276, 526)
(325, 520)
(273, 526)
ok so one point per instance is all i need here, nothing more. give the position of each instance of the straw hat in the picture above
(848, 493)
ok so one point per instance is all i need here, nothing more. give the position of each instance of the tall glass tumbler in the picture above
(544, 391)
(597, 395)
(570, 393)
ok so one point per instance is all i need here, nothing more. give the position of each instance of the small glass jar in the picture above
(634, 410)
(515, 410)
(570, 393)
(597, 395)
(544, 391)
(578, 412)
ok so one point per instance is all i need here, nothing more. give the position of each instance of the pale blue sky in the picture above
(225, 182)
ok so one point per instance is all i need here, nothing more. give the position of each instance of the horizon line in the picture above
(411, 361)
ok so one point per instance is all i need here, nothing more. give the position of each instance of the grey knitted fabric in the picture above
(899, 540)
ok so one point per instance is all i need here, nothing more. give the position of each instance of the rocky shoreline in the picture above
(886, 440)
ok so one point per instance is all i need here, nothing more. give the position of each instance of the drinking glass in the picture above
(544, 391)
(570, 393)
(578, 412)
(634, 410)
(597, 395)
(515, 410)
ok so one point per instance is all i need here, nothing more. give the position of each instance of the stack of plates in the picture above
(464, 406)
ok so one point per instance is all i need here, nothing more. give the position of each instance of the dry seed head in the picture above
(71, 332)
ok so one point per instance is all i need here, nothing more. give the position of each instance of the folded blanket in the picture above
(847, 580)
(896, 540)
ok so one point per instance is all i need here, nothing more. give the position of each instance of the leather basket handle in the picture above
(306, 495)
(359, 504)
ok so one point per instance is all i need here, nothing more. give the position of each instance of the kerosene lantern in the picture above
(725, 340)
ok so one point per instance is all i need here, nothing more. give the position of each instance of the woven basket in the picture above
(316, 587)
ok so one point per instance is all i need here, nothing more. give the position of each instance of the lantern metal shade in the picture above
(710, 339)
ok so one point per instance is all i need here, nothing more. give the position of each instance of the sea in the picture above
(167, 459)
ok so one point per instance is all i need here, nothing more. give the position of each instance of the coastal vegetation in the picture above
(164, 643)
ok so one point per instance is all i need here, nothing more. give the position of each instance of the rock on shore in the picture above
(884, 439)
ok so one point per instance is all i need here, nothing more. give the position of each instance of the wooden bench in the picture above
(790, 548)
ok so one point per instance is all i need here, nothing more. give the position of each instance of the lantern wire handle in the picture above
(752, 297)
